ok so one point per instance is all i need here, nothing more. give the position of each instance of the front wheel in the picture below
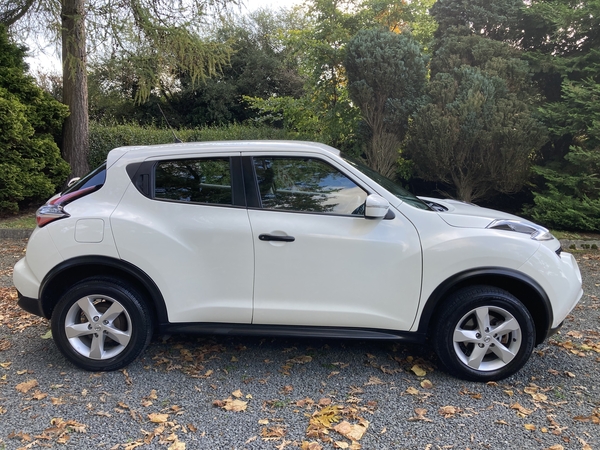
(483, 334)
(101, 324)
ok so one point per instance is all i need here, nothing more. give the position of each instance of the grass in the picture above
(24, 220)
(573, 235)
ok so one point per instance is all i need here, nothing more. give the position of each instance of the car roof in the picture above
(267, 146)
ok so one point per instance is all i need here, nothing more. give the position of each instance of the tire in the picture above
(483, 334)
(101, 324)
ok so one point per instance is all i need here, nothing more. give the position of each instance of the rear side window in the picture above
(194, 181)
(95, 178)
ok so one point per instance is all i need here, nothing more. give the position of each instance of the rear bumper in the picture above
(31, 305)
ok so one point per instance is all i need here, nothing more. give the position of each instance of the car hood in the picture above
(466, 215)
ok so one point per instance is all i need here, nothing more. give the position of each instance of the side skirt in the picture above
(290, 331)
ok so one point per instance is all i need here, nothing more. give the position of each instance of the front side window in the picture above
(194, 180)
(307, 185)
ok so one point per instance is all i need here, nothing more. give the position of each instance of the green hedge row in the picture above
(104, 138)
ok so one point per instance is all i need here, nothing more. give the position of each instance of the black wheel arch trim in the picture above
(484, 275)
(113, 266)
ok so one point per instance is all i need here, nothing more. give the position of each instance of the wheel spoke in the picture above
(112, 313)
(509, 325)
(97, 347)
(122, 337)
(477, 356)
(461, 335)
(77, 330)
(502, 352)
(483, 318)
(88, 308)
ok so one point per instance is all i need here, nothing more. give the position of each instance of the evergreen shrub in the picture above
(31, 169)
(105, 138)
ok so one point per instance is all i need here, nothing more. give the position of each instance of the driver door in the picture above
(318, 260)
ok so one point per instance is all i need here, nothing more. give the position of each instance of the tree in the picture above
(30, 163)
(474, 134)
(386, 74)
(319, 44)
(477, 131)
(571, 195)
(561, 38)
(157, 36)
(259, 67)
(493, 19)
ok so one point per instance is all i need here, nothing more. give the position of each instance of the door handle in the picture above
(272, 237)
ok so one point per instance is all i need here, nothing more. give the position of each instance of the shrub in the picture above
(31, 168)
(104, 138)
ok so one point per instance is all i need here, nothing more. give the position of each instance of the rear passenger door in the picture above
(184, 222)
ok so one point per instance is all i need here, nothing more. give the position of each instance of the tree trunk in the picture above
(75, 145)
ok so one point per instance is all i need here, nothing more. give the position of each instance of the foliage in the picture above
(495, 20)
(386, 74)
(571, 198)
(319, 45)
(157, 37)
(478, 130)
(30, 163)
(562, 38)
(258, 67)
(104, 138)
(474, 134)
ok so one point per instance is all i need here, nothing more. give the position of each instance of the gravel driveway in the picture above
(189, 392)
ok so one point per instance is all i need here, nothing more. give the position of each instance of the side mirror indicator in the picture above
(376, 207)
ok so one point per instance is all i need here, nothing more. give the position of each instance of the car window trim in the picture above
(238, 195)
(253, 192)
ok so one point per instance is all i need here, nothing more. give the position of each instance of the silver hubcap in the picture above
(487, 338)
(98, 327)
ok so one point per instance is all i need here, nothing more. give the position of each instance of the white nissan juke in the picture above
(286, 238)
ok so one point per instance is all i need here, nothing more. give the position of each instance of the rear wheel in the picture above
(484, 333)
(101, 324)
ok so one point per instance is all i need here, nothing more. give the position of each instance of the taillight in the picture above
(54, 209)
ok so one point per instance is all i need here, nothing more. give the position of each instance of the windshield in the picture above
(388, 184)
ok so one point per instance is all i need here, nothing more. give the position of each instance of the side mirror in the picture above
(72, 181)
(376, 207)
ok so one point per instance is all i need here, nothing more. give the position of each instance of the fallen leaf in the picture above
(420, 415)
(418, 370)
(158, 418)
(26, 386)
(301, 359)
(373, 381)
(237, 394)
(310, 445)
(448, 411)
(230, 404)
(426, 384)
(177, 445)
(272, 433)
(47, 335)
(521, 409)
(354, 432)
(529, 426)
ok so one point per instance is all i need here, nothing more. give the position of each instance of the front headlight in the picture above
(534, 231)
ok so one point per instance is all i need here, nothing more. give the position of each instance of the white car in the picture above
(286, 238)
